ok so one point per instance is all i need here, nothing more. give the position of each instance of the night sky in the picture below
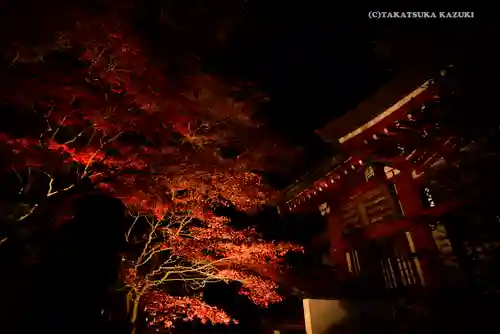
(315, 63)
(311, 60)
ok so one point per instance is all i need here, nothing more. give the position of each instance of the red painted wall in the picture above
(338, 245)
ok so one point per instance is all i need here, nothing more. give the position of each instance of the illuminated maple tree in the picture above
(117, 121)
(176, 249)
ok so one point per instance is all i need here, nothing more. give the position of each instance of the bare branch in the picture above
(74, 139)
(91, 159)
(51, 191)
(33, 208)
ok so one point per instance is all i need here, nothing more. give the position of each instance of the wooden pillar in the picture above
(420, 238)
(425, 250)
(408, 193)
(338, 246)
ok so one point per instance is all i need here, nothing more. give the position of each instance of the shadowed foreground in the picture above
(68, 289)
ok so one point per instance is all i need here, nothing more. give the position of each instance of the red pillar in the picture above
(421, 234)
(408, 193)
(425, 248)
(338, 246)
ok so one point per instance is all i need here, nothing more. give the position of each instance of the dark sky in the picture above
(317, 61)
(313, 61)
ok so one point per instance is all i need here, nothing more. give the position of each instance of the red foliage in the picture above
(262, 292)
(156, 144)
(166, 309)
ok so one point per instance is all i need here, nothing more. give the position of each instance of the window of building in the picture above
(390, 172)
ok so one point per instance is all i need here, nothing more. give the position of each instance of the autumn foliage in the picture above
(97, 108)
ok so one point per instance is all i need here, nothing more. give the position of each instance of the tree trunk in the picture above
(133, 301)
(128, 301)
(133, 316)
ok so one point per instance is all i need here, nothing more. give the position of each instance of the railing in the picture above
(388, 266)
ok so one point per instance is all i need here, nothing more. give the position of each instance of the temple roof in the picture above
(381, 100)
(402, 88)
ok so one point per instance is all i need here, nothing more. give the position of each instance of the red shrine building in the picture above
(378, 196)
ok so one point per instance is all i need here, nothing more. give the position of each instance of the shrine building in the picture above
(377, 195)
